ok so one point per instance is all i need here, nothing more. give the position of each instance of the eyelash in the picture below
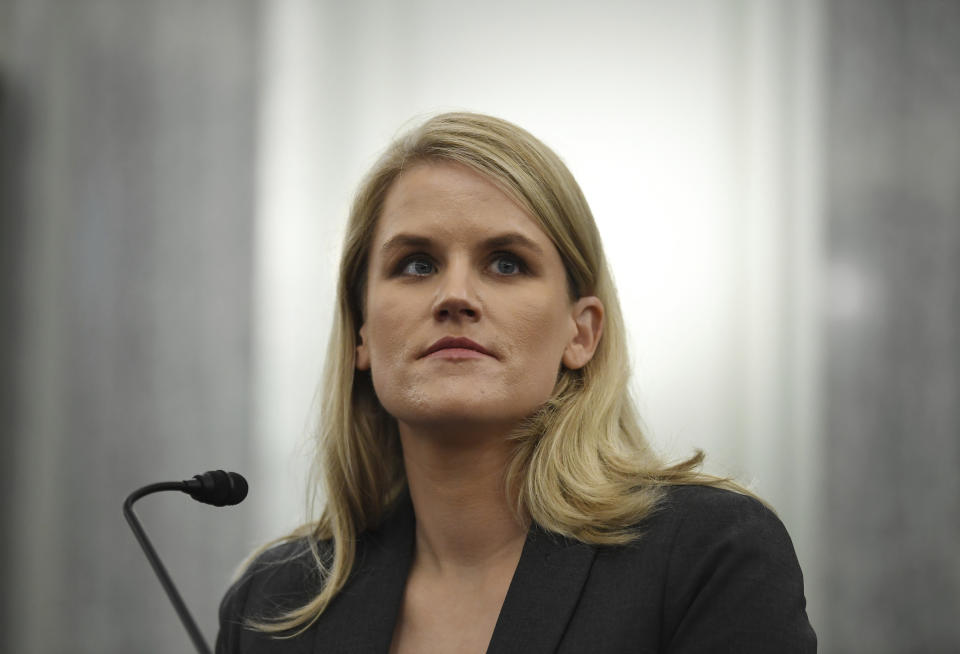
(497, 256)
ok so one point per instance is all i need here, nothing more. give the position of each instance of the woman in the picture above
(487, 487)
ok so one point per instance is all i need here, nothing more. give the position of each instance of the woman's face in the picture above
(453, 257)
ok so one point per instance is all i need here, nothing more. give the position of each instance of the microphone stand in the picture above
(198, 642)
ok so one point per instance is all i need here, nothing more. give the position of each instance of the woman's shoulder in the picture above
(712, 507)
(289, 551)
(689, 514)
(284, 566)
(705, 524)
(281, 577)
(729, 565)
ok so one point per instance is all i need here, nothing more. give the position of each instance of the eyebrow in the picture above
(508, 239)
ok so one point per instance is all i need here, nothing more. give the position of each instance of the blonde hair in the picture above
(581, 467)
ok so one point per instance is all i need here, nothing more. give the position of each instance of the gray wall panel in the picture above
(129, 200)
(893, 390)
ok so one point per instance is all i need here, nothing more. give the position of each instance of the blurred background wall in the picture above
(129, 163)
(892, 381)
(776, 183)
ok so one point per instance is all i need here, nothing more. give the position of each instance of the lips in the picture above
(456, 343)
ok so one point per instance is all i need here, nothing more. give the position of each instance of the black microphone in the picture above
(214, 487)
(217, 487)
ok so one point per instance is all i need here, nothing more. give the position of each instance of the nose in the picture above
(456, 297)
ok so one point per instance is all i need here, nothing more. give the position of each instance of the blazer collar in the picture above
(540, 600)
(542, 595)
(362, 616)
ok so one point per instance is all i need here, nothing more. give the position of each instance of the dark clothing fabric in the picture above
(713, 571)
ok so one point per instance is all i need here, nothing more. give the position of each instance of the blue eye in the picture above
(418, 267)
(507, 264)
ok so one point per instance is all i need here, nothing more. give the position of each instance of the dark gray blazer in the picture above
(713, 571)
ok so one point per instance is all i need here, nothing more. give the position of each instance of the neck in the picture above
(465, 519)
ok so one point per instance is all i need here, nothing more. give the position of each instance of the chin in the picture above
(460, 402)
(460, 413)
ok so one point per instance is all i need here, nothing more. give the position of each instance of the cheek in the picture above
(385, 340)
(390, 377)
(390, 341)
(541, 334)
(401, 392)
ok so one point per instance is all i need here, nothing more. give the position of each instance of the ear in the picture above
(587, 315)
(362, 361)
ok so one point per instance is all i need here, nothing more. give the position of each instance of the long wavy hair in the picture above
(581, 466)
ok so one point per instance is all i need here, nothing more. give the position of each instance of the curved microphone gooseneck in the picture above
(215, 487)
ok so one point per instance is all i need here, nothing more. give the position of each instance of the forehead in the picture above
(450, 200)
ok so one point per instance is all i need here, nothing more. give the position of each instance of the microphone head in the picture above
(217, 487)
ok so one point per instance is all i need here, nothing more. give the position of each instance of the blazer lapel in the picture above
(362, 617)
(542, 595)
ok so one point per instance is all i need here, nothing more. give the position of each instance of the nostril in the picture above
(456, 308)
